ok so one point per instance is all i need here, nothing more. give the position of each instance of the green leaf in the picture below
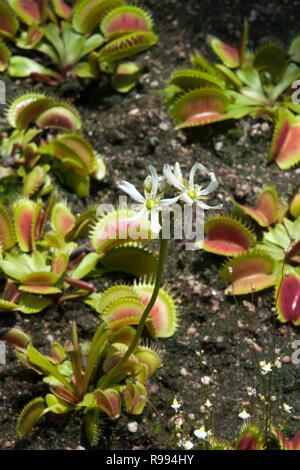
(23, 67)
(91, 43)
(13, 267)
(31, 304)
(76, 360)
(37, 359)
(292, 73)
(97, 349)
(229, 75)
(54, 37)
(73, 46)
(85, 266)
(47, 49)
(251, 77)
(55, 405)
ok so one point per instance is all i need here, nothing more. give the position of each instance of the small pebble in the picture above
(252, 16)
(183, 371)
(132, 426)
(164, 126)
(134, 112)
(191, 330)
(7, 444)
(218, 146)
(265, 127)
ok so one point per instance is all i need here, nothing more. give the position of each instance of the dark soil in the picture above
(131, 132)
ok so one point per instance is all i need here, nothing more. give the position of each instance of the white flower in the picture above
(189, 191)
(208, 403)
(205, 380)
(150, 202)
(201, 433)
(244, 414)
(175, 405)
(287, 408)
(187, 445)
(266, 367)
(278, 363)
(251, 392)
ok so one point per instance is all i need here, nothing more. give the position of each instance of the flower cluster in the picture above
(155, 187)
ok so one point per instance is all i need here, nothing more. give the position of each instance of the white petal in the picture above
(178, 172)
(170, 201)
(131, 190)
(155, 225)
(172, 179)
(155, 180)
(200, 434)
(136, 216)
(196, 167)
(212, 185)
(187, 199)
(204, 206)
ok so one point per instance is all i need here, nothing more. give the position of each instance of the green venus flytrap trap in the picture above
(257, 264)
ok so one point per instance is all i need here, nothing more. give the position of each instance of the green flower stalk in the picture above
(154, 203)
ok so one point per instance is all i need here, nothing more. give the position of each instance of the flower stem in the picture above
(160, 269)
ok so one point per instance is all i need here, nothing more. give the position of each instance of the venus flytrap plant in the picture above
(36, 265)
(69, 155)
(67, 37)
(75, 375)
(244, 83)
